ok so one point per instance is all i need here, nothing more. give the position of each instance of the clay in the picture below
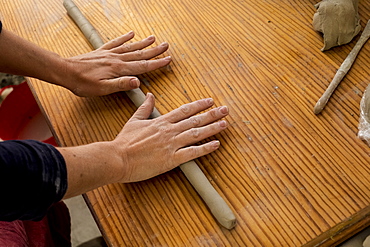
(338, 20)
(85, 26)
(364, 121)
(365, 105)
(220, 210)
(343, 69)
(366, 242)
(214, 201)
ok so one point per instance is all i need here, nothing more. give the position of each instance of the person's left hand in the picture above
(112, 67)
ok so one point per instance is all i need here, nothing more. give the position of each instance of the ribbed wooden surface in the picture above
(291, 177)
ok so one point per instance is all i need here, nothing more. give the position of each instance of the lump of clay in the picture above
(338, 20)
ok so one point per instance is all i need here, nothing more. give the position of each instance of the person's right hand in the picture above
(149, 147)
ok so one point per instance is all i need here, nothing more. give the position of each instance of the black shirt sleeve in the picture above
(1, 26)
(33, 176)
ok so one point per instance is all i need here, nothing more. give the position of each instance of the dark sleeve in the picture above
(1, 26)
(33, 176)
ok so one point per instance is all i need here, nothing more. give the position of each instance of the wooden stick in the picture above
(343, 69)
(220, 210)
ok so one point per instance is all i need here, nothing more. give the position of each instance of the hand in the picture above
(112, 67)
(149, 147)
(145, 147)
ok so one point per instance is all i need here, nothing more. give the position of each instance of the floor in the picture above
(83, 225)
(361, 239)
(85, 232)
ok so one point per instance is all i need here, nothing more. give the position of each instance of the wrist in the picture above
(91, 166)
(64, 73)
(76, 75)
(107, 161)
(116, 164)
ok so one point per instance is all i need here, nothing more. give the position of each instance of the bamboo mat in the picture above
(292, 178)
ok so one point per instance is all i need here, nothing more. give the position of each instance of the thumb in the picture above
(144, 111)
(124, 83)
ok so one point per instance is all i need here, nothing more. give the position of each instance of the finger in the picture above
(203, 119)
(117, 42)
(187, 110)
(194, 135)
(143, 66)
(124, 83)
(145, 54)
(138, 45)
(189, 153)
(144, 111)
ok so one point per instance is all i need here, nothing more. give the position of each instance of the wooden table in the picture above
(291, 177)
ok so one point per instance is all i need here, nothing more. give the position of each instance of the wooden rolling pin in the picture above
(193, 173)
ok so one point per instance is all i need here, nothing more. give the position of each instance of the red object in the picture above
(21, 118)
(54, 230)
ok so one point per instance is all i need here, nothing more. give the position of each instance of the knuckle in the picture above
(200, 103)
(213, 114)
(139, 53)
(185, 109)
(194, 151)
(195, 133)
(144, 64)
(114, 42)
(195, 121)
(163, 127)
(126, 47)
(122, 83)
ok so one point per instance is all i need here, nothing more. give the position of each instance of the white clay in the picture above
(364, 121)
(338, 20)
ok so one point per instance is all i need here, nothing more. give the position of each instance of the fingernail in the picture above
(147, 95)
(224, 109)
(164, 44)
(131, 32)
(151, 37)
(168, 58)
(134, 83)
(210, 101)
(216, 144)
(222, 123)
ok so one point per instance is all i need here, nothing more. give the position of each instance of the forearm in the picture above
(21, 57)
(111, 68)
(90, 166)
